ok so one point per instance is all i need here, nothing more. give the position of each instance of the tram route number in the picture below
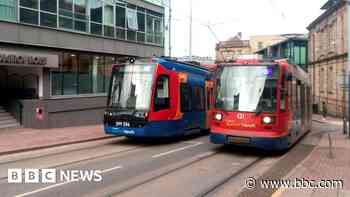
(122, 124)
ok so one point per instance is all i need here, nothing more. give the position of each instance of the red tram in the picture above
(263, 104)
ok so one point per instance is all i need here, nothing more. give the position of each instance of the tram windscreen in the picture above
(247, 88)
(131, 87)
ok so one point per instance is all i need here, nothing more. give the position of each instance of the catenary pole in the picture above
(169, 28)
(190, 39)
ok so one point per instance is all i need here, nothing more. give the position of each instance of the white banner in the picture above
(132, 19)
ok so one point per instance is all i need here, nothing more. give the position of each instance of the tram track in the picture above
(84, 160)
(165, 173)
(225, 180)
(54, 153)
(200, 158)
(123, 142)
(69, 164)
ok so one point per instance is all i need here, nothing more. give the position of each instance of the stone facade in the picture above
(259, 42)
(235, 46)
(328, 58)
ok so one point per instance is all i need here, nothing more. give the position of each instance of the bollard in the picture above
(331, 156)
(345, 126)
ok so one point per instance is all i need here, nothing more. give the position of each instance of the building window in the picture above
(66, 8)
(85, 75)
(120, 16)
(141, 19)
(98, 75)
(96, 17)
(108, 20)
(150, 29)
(66, 14)
(70, 73)
(80, 16)
(66, 23)
(48, 5)
(29, 16)
(8, 10)
(48, 20)
(81, 74)
(29, 3)
(76, 20)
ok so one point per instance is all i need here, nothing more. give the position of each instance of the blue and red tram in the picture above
(262, 104)
(159, 97)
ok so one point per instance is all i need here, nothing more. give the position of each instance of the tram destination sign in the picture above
(15, 58)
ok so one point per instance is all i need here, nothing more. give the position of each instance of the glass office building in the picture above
(57, 55)
(293, 48)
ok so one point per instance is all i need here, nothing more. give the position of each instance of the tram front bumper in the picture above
(151, 130)
(264, 143)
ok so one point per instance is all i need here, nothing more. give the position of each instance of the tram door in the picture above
(209, 97)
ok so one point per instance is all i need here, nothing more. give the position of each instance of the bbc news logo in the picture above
(52, 175)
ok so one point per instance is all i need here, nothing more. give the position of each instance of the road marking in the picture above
(63, 183)
(177, 150)
(111, 169)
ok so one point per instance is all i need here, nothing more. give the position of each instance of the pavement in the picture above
(24, 139)
(329, 161)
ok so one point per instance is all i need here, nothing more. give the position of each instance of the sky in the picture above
(227, 17)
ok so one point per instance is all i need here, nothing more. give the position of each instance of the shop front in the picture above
(47, 88)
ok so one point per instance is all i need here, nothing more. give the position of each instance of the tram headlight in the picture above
(268, 120)
(218, 116)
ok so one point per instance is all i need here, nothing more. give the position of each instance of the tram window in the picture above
(299, 94)
(283, 101)
(295, 94)
(283, 95)
(186, 98)
(162, 97)
(198, 98)
(290, 96)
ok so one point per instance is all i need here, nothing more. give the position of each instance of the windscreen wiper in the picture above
(258, 112)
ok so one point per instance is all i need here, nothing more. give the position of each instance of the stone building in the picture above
(328, 57)
(294, 48)
(259, 42)
(235, 46)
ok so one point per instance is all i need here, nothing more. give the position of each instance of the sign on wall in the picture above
(28, 59)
